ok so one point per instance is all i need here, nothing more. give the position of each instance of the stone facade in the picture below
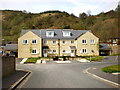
(25, 50)
(84, 45)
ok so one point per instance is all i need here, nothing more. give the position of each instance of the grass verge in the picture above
(31, 60)
(96, 58)
(111, 69)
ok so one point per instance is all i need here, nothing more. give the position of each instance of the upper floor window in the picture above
(63, 42)
(84, 41)
(72, 42)
(54, 42)
(92, 41)
(66, 33)
(25, 41)
(50, 33)
(34, 41)
(45, 42)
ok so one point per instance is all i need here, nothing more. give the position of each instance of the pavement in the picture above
(9, 81)
(53, 75)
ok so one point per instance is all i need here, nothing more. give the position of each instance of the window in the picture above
(54, 42)
(72, 42)
(63, 42)
(66, 33)
(92, 41)
(50, 33)
(63, 51)
(54, 51)
(84, 41)
(84, 50)
(34, 51)
(34, 41)
(25, 41)
(45, 42)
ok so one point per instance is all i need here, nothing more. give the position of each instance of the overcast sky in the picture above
(71, 6)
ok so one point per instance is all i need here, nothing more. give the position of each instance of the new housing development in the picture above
(57, 42)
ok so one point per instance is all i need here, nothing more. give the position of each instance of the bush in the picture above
(111, 69)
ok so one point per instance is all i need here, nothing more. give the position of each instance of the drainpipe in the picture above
(59, 46)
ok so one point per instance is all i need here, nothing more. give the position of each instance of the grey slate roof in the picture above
(11, 47)
(58, 33)
(104, 47)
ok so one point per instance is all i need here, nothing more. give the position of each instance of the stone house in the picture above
(57, 42)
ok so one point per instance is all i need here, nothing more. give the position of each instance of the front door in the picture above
(72, 53)
(45, 53)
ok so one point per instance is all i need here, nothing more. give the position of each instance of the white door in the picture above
(72, 53)
(45, 53)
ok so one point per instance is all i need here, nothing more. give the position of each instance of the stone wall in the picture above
(8, 65)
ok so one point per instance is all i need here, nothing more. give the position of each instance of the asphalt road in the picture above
(53, 75)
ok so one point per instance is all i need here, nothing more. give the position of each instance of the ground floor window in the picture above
(34, 51)
(84, 50)
(63, 51)
(54, 51)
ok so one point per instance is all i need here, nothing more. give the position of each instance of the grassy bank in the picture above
(111, 69)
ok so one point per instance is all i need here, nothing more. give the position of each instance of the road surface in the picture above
(53, 75)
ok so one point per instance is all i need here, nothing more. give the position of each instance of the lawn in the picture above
(96, 58)
(31, 60)
(111, 69)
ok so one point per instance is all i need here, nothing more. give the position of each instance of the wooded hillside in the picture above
(103, 25)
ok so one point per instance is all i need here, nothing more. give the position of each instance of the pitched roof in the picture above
(58, 33)
(11, 47)
(104, 47)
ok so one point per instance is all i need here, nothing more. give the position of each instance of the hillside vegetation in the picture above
(103, 25)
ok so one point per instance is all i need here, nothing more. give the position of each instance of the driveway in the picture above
(53, 75)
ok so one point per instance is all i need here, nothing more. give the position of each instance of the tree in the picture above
(83, 16)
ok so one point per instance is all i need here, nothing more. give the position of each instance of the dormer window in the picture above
(50, 33)
(66, 33)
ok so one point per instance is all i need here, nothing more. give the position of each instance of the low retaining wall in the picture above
(8, 65)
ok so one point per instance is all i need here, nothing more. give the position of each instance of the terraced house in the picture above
(57, 42)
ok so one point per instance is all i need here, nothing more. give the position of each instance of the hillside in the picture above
(104, 25)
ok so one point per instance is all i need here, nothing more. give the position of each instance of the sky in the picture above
(76, 7)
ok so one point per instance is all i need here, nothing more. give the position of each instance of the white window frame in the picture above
(84, 40)
(85, 50)
(45, 41)
(32, 51)
(71, 41)
(64, 41)
(53, 41)
(92, 41)
(32, 41)
(66, 33)
(23, 41)
(63, 50)
(53, 51)
(47, 33)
